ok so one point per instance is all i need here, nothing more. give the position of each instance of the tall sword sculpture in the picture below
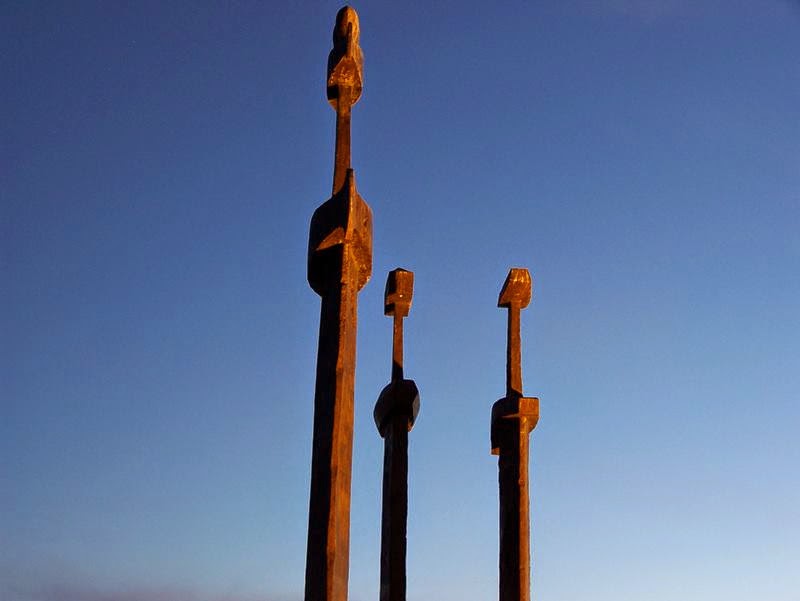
(513, 419)
(339, 265)
(395, 413)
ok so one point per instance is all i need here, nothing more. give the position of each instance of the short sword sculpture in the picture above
(395, 413)
(339, 265)
(513, 419)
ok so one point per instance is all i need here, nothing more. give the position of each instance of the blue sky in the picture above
(159, 165)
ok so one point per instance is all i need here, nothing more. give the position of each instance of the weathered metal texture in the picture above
(395, 413)
(513, 419)
(339, 265)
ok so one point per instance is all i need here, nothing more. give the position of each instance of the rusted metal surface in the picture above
(395, 413)
(513, 419)
(339, 265)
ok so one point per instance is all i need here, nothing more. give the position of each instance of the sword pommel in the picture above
(345, 61)
(517, 289)
(399, 290)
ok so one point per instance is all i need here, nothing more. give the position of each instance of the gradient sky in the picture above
(159, 165)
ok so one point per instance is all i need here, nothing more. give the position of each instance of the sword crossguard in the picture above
(398, 397)
(512, 417)
(340, 241)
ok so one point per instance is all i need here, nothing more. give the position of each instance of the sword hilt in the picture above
(515, 295)
(400, 396)
(397, 304)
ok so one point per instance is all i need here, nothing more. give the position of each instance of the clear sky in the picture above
(159, 165)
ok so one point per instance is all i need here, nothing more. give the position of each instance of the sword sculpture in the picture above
(395, 413)
(339, 265)
(513, 419)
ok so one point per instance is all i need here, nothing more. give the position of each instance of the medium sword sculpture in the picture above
(339, 265)
(513, 419)
(395, 413)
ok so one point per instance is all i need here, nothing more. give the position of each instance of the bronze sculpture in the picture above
(513, 418)
(339, 265)
(395, 414)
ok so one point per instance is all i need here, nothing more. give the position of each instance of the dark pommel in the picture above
(345, 61)
(346, 30)
(399, 290)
